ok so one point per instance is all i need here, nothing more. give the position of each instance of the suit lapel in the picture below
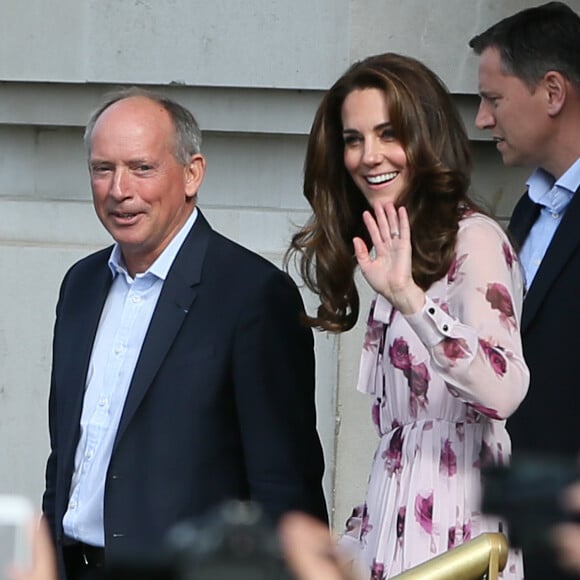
(177, 296)
(523, 218)
(563, 244)
(80, 329)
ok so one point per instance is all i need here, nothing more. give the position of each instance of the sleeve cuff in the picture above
(431, 323)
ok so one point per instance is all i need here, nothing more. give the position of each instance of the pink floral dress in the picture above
(443, 380)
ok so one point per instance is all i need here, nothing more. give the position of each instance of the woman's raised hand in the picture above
(389, 271)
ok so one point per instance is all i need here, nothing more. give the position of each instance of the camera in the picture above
(234, 540)
(528, 496)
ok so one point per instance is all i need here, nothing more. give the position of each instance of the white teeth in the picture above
(383, 178)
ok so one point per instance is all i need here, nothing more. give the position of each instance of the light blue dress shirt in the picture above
(124, 322)
(554, 197)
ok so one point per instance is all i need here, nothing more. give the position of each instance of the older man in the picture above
(182, 375)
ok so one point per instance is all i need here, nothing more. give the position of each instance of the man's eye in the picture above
(100, 168)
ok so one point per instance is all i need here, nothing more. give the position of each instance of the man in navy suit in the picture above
(529, 82)
(182, 375)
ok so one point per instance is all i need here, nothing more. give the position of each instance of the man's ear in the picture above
(194, 174)
(556, 87)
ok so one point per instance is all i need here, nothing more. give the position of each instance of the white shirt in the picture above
(122, 328)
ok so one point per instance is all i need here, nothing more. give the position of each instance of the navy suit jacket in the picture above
(547, 420)
(221, 403)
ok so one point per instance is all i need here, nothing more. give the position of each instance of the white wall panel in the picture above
(263, 43)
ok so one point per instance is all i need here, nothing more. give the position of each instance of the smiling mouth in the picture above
(382, 178)
(124, 216)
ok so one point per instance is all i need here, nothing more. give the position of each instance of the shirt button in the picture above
(555, 215)
(72, 505)
(102, 402)
(136, 299)
(445, 328)
(431, 310)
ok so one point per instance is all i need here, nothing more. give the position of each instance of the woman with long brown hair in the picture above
(387, 175)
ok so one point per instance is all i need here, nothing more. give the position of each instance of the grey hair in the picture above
(187, 131)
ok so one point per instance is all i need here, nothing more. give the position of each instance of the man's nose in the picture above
(118, 187)
(484, 118)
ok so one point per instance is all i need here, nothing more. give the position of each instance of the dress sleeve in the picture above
(474, 337)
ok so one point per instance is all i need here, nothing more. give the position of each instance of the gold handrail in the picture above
(485, 554)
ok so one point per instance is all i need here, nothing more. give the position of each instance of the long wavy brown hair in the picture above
(427, 124)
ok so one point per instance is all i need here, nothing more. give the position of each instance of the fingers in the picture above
(393, 223)
(361, 252)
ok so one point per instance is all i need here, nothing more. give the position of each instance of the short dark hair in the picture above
(535, 41)
(187, 131)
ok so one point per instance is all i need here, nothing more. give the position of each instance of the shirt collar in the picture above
(544, 190)
(159, 268)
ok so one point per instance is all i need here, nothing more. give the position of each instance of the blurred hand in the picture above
(309, 549)
(566, 537)
(43, 565)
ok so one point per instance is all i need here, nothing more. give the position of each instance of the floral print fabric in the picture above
(443, 381)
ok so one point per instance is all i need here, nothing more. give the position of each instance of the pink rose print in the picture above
(499, 298)
(451, 538)
(373, 334)
(495, 357)
(377, 571)
(454, 349)
(448, 464)
(453, 271)
(491, 413)
(418, 380)
(467, 531)
(485, 456)
(399, 354)
(393, 454)
(509, 255)
(401, 521)
(424, 512)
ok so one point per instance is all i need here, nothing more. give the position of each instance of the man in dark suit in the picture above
(529, 82)
(182, 375)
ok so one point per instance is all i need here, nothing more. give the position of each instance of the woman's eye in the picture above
(351, 139)
(388, 135)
